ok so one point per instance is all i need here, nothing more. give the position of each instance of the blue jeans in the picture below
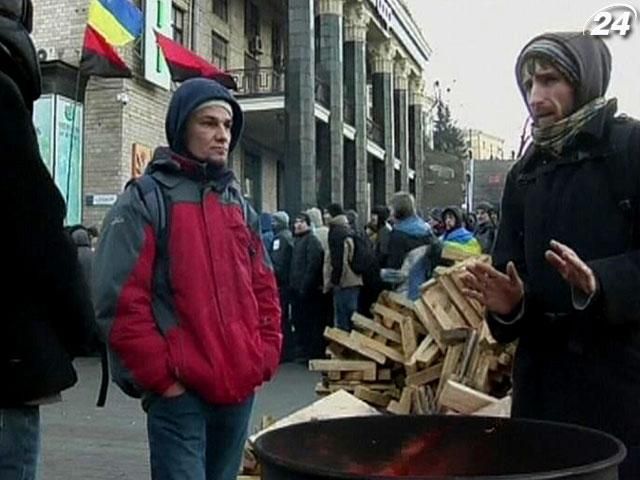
(19, 443)
(193, 440)
(345, 302)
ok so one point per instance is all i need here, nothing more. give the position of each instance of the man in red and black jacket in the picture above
(193, 320)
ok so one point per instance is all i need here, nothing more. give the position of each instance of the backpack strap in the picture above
(152, 196)
(622, 171)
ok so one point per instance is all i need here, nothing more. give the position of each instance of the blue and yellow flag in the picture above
(118, 21)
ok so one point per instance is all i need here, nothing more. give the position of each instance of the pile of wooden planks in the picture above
(432, 355)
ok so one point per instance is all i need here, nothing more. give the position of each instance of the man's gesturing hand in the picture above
(571, 267)
(500, 293)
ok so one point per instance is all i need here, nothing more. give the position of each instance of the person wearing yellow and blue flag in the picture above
(456, 236)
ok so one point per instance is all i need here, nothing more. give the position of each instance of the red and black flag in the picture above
(184, 64)
(100, 59)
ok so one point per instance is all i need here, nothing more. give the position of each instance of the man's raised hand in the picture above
(500, 293)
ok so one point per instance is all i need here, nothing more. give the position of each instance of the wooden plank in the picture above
(342, 338)
(451, 361)
(400, 300)
(426, 352)
(335, 351)
(337, 405)
(365, 323)
(422, 402)
(463, 399)
(476, 305)
(460, 301)
(378, 347)
(470, 349)
(485, 336)
(428, 320)
(480, 376)
(353, 376)
(384, 374)
(379, 399)
(419, 327)
(429, 356)
(410, 369)
(446, 313)
(425, 376)
(402, 406)
(334, 376)
(322, 389)
(502, 408)
(408, 333)
(387, 313)
(368, 369)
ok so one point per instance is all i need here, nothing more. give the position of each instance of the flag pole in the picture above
(73, 126)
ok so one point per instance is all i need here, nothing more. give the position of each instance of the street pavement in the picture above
(83, 442)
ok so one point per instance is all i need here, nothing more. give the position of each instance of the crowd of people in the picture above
(329, 265)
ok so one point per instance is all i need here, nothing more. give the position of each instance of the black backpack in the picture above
(363, 256)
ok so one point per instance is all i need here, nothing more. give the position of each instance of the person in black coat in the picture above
(485, 231)
(280, 253)
(564, 286)
(306, 289)
(47, 313)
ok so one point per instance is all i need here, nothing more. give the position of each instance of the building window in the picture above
(219, 48)
(220, 9)
(177, 24)
(251, 20)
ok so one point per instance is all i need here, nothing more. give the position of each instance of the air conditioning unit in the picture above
(255, 45)
(47, 54)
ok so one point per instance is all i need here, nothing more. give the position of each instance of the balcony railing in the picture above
(259, 81)
(375, 132)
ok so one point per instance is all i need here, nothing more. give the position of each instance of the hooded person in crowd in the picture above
(47, 316)
(266, 230)
(562, 285)
(281, 251)
(456, 236)
(343, 281)
(190, 310)
(412, 246)
(436, 223)
(319, 228)
(485, 231)
(306, 290)
(381, 231)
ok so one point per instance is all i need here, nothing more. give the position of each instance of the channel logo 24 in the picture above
(617, 19)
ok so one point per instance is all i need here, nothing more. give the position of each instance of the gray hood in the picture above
(316, 217)
(589, 56)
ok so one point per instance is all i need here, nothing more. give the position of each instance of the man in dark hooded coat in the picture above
(566, 288)
(47, 312)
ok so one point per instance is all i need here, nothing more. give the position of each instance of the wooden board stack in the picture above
(432, 355)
